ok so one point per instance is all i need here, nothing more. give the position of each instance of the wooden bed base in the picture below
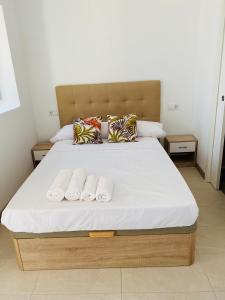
(105, 249)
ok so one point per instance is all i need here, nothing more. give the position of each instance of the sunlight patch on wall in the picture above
(9, 98)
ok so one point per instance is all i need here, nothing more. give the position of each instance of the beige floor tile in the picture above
(14, 297)
(170, 296)
(191, 174)
(212, 262)
(209, 198)
(14, 281)
(212, 216)
(220, 295)
(205, 251)
(179, 279)
(6, 248)
(77, 297)
(199, 185)
(204, 192)
(194, 179)
(211, 236)
(79, 281)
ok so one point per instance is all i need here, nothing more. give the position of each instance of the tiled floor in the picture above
(205, 280)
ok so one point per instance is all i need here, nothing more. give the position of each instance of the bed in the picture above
(151, 220)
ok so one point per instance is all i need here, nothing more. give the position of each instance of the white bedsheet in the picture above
(149, 191)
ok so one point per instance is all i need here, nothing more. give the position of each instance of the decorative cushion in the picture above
(87, 131)
(122, 129)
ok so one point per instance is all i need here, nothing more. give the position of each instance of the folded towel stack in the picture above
(77, 185)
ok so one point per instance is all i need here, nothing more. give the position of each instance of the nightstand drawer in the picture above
(40, 154)
(182, 147)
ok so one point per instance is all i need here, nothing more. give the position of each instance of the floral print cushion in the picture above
(87, 131)
(122, 129)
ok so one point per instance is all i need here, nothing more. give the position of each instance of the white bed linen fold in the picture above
(149, 192)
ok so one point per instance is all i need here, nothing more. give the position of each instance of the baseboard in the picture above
(201, 172)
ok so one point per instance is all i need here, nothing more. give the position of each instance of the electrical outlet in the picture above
(173, 106)
(53, 113)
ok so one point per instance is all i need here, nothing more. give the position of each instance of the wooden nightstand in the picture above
(182, 149)
(39, 151)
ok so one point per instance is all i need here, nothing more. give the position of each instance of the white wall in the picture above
(17, 132)
(85, 41)
(102, 41)
(211, 26)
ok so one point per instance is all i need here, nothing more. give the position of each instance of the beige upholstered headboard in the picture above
(139, 97)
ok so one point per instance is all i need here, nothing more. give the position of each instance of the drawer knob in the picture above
(182, 147)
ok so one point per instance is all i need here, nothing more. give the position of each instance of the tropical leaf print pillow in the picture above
(122, 129)
(87, 131)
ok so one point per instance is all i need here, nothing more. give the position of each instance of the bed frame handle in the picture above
(102, 234)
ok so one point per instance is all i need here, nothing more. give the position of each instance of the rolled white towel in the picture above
(104, 189)
(59, 186)
(90, 187)
(76, 185)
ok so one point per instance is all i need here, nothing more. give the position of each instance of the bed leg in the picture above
(18, 255)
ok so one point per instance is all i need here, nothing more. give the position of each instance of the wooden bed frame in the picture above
(105, 249)
(101, 249)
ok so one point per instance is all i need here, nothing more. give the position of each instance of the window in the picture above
(9, 98)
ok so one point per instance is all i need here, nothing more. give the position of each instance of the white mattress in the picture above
(149, 191)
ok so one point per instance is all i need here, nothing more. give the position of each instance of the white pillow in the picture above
(152, 129)
(66, 133)
(144, 129)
